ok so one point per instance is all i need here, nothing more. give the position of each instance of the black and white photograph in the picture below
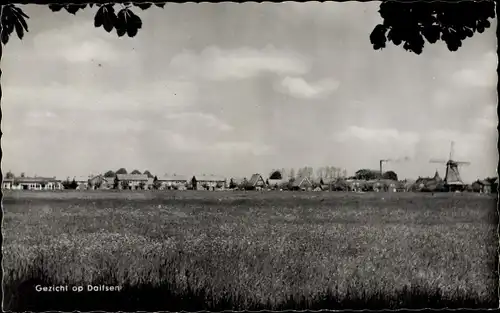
(249, 156)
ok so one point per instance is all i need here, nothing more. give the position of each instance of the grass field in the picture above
(250, 250)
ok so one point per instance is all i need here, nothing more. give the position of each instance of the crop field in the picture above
(187, 250)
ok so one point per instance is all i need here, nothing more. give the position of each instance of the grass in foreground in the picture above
(249, 251)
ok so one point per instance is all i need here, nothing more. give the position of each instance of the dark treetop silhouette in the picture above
(410, 24)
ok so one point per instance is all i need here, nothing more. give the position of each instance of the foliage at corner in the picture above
(411, 24)
(12, 18)
(124, 21)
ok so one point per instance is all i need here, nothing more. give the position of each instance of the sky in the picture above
(234, 89)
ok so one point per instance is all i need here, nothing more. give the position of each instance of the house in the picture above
(352, 185)
(108, 182)
(36, 183)
(7, 183)
(384, 185)
(169, 182)
(301, 183)
(82, 182)
(429, 183)
(208, 182)
(256, 182)
(101, 182)
(277, 184)
(131, 181)
(150, 183)
(481, 186)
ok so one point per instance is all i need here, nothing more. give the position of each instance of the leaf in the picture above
(19, 29)
(431, 33)
(99, 17)
(143, 6)
(377, 37)
(5, 34)
(7, 23)
(20, 12)
(19, 15)
(109, 17)
(55, 7)
(73, 8)
(132, 31)
(121, 22)
(120, 31)
(135, 20)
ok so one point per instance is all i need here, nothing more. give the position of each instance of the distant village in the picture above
(325, 179)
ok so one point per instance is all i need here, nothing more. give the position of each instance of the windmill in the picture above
(452, 179)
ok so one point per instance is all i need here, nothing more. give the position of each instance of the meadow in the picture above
(188, 250)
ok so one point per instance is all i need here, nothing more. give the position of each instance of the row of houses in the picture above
(32, 183)
(214, 182)
(119, 181)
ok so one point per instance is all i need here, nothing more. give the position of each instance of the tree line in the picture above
(328, 173)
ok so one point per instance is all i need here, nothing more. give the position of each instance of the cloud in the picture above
(79, 43)
(299, 88)
(483, 74)
(214, 63)
(376, 135)
(197, 119)
(151, 96)
(257, 149)
(181, 142)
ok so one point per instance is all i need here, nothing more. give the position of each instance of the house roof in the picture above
(254, 179)
(173, 177)
(140, 177)
(97, 176)
(300, 180)
(82, 178)
(209, 178)
(35, 179)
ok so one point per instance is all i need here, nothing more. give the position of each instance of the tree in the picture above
(275, 175)
(390, 175)
(147, 172)
(136, 172)
(292, 174)
(411, 24)
(121, 171)
(9, 175)
(407, 23)
(366, 174)
(109, 174)
(156, 183)
(23, 175)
